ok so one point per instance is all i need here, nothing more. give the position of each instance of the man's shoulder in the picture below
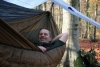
(59, 41)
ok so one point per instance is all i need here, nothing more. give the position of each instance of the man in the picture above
(45, 37)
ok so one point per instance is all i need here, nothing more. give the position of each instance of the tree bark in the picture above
(94, 36)
(70, 24)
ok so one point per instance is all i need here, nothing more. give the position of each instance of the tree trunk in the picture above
(70, 24)
(94, 36)
(87, 31)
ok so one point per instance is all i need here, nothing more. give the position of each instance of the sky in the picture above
(27, 3)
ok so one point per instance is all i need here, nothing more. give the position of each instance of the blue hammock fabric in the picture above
(10, 12)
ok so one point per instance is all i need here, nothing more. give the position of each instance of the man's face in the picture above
(44, 36)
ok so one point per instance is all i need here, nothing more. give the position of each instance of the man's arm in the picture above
(63, 37)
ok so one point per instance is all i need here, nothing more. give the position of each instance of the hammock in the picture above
(18, 38)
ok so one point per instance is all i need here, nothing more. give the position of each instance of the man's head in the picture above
(45, 36)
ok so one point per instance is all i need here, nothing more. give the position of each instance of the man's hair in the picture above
(46, 29)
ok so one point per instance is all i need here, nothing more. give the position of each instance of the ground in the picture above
(86, 45)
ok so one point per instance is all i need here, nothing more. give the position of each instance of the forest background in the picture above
(90, 8)
(80, 30)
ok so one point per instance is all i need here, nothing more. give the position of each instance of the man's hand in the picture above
(42, 48)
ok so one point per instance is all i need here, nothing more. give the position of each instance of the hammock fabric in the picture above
(17, 51)
(18, 35)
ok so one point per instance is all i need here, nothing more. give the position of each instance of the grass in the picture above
(78, 62)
